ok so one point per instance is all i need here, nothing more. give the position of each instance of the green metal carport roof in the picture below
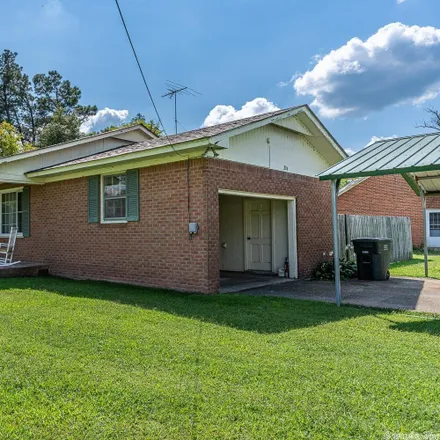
(416, 158)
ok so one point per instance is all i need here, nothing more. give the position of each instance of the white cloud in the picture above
(380, 138)
(104, 118)
(399, 64)
(227, 113)
(400, 1)
(349, 151)
(290, 81)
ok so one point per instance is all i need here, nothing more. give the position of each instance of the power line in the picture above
(121, 15)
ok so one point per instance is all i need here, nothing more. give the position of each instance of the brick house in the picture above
(174, 211)
(390, 195)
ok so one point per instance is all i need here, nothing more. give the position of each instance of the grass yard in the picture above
(416, 266)
(95, 360)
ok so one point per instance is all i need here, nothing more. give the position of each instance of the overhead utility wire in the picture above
(188, 177)
(121, 15)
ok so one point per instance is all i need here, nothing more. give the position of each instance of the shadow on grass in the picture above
(244, 312)
(431, 326)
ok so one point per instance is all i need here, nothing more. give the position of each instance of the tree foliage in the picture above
(61, 128)
(139, 118)
(46, 109)
(10, 140)
(151, 125)
(42, 105)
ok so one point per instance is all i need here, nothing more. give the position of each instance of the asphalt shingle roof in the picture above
(163, 141)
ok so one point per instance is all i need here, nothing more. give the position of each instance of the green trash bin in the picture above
(373, 258)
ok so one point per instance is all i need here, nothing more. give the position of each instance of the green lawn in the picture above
(94, 360)
(416, 266)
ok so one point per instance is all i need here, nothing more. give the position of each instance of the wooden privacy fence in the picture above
(360, 226)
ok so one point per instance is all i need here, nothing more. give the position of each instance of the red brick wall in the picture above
(389, 196)
(156, 251)
(314, 224)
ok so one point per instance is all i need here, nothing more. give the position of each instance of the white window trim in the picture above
(101, 184)
(428, 222)
(6, 191)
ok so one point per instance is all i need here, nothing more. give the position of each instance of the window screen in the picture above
(114, 199)
(11, 210)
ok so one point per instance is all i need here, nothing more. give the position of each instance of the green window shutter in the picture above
(93, 199)
(26, 218)
(133, 195)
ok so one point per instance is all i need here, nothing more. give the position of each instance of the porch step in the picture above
(24, 269)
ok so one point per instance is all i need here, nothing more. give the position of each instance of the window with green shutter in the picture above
(120, 197)
(93, 199)
(26, 213)
(133, 195)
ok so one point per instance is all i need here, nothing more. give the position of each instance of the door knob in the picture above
(249, 238)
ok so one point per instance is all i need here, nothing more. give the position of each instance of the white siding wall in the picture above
(275, 148)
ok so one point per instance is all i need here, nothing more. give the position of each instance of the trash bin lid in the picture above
(372, 240)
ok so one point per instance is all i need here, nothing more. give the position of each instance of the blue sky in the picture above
(235, 51)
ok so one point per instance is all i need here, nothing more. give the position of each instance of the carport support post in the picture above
(425, 231)
(335, 185)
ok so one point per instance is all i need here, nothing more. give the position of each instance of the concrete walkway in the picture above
(398, 293)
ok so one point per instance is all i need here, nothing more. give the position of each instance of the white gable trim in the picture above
(292, 124)
(254, 125)
(220, 139)
(324, 131)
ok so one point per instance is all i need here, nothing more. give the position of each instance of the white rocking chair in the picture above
(7, 249)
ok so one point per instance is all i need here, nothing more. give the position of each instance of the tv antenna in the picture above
(175, 89)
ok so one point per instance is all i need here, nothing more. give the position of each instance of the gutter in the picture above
(184, 148)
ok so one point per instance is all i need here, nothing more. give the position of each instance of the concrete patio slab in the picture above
(231, 282)
(398, 293)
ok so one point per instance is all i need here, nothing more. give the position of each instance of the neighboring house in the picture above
(392, 196)
(120, 205)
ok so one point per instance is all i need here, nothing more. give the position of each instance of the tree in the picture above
(54, 94)
(31, 105)
(151, 125)
(10, 77)
(61, 128)
(10, 140)
(434, 122)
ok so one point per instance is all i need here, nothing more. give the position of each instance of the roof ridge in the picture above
(250, 118)
(392, 138)
(103, 133)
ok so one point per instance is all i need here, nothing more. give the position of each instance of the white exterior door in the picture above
(258, 234)
(433, 227)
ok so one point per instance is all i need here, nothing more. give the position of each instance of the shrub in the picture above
(325, 271)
